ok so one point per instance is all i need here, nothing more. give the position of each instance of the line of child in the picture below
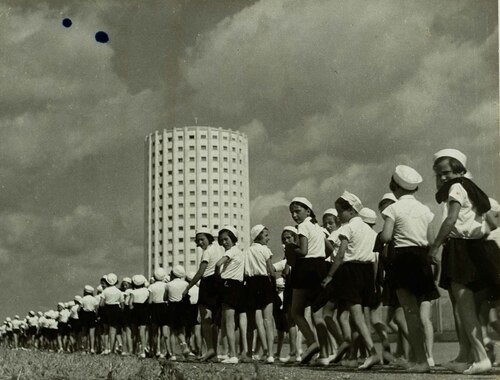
(343, 273)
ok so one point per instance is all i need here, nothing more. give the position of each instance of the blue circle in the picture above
(101, 37)
(67, 22)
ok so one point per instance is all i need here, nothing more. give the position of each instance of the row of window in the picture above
(193, 170)
(202, 136)
(203, 215)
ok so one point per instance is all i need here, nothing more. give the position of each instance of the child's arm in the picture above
(301, 248)
(197, 277)
(337, 261)
(328, 248)
(386, 235)
(271, 272)
(131, 301)
(446, 227)
(219, 265)
(490, 220)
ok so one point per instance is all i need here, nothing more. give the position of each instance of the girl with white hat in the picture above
(158, 313)
(408, 223)
(259, 273)
(62, 326)
(111, 304)
(139, 307)
(177, 306)
(230, 268)
(353, 275)
(208, 294)
(470, 265)
(307, 273)
(126, 289)
(88, 318)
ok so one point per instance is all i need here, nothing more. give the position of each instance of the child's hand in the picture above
(326, 281)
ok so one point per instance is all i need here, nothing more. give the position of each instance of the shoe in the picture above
(322, 362)
(231, 360)
(284, 359)
(161, 356)
(105, 352)
(420, 368)
(457, 367)
(256, 357)
(208, 356)
(298, 358)
(173, 358)
(490, 351)
(431, 362)
(124, 353)
(270, 360)
(388, 357)
(223, 357)
(143, 355)
(478, 367)
(312, 350)
(343, 348)
(370, 362)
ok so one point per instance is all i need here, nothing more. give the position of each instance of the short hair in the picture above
(311, 212)
(209, 237)
(233, 238)
(343, 205)
(383, 202)
(456, 166)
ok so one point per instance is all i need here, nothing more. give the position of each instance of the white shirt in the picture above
(16, 324)
(73, 312)
(279, 266)
(126, 296)
(194, 293)
(360, 240)
(234, 269)
(64, 316)
(315, 238)
(211, 255)
(334, 239)
(140, 295)
(89, 303)
(33, 321)
(256, 257)
(157, 291)
(411, 221)
(175, 288)
(112, 295)
(469, 224)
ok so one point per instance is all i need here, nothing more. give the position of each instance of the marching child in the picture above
(230, 268)
(408, 223)
(139, 310)
(259, 272)
(466, 270)
(308, 271)
(352, 271)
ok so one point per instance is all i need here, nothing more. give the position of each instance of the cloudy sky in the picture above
(332, 95)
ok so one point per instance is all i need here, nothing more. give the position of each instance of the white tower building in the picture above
(195, 177)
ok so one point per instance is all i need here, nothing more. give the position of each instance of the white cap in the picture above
(495, 207)
(111, 279)
(16, 316)
(453, 153)
(389, 196)
(331, 211)
(302, 200)
(280, 282)
(204, 230)
(138, 280)
(61, 304)
(99, 288)
(233, 230)
(406, 177)
(256, 230)
(353, 200)
(88, 289)
(127, 279)
(179, 271)
(159, 274)
(78, 299)
(8, 319)
(32, 313)
(368, 215)
(291, 229)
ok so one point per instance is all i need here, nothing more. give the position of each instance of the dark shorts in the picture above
(281, 320)
(259, 292)
(177, 314)
(111, 315)
(209, 292)
(308, 273)
(140, 314)
(232, 294)
(191, 315)
(75, 325)
(63, 328)
(354, 283)
(159, 314)
(474, 263)
(411, 270)
(88, 319)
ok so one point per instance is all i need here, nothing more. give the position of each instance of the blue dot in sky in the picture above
(101, 37)
(67, 22)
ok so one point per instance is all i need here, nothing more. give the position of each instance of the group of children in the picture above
(332, 285)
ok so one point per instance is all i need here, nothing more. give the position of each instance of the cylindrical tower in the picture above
(195, 177)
